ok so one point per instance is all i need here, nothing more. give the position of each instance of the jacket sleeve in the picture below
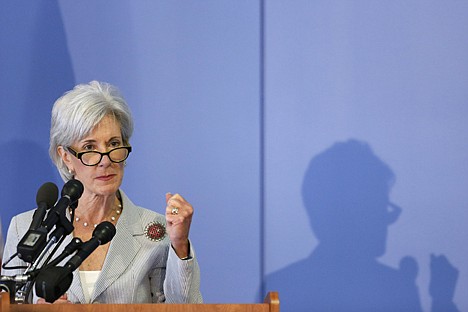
(182, 281)
(12, 240)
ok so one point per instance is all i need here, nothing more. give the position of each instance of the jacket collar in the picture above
(122, 250)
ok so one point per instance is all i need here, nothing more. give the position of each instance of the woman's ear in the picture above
(65, 155)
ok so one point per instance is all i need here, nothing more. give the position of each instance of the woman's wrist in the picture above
(182, 250)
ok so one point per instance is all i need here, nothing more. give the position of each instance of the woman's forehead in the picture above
(107, 129)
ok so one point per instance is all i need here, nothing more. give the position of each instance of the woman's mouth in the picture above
(105, 177)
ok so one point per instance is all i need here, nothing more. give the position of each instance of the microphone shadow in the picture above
(346, 194)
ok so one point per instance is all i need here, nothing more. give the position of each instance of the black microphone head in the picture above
(104, 232)
(48, 194)
(73, 189)
(53, 282)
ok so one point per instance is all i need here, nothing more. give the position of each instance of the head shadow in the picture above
(346, 192)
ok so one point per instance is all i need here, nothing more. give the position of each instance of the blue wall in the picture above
(278, 120)
(393, 76)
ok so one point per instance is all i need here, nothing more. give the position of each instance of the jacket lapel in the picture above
(123, 247)
(75, 290)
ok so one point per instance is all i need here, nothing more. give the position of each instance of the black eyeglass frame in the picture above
(79, 155)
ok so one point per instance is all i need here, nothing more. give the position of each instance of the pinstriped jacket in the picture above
(136, 269)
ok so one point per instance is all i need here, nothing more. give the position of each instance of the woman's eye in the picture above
(115, 144)
(88, 148)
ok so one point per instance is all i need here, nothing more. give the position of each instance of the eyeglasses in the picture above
(92, 158)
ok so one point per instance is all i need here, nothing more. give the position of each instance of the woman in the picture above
(150, 258)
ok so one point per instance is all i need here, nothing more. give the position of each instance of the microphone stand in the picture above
(10, 284)
(62, 229)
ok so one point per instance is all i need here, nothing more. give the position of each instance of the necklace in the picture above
(114, 214)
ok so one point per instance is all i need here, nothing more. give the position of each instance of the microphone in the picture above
(102, 234)
(53, 282)
(45, 199)
(71, 191)
(34, 241)
(75, 244)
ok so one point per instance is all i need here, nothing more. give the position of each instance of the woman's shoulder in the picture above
(23, 219)
(150, 215)
(144, 213)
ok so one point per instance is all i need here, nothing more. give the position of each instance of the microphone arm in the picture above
(35, 240)
(62, 229)
(19, 286)
(54, 281)
(35, 245)
(15, 285)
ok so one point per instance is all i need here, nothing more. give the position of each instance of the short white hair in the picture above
(78, 111)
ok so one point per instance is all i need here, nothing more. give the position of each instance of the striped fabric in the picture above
(136, 269)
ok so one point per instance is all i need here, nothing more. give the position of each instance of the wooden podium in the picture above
(271, 304)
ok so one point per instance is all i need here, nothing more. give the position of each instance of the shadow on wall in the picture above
(25, 163)
(346, 193)
(35, 69)
(50, 72)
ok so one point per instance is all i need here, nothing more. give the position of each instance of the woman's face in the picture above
(105, 178)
